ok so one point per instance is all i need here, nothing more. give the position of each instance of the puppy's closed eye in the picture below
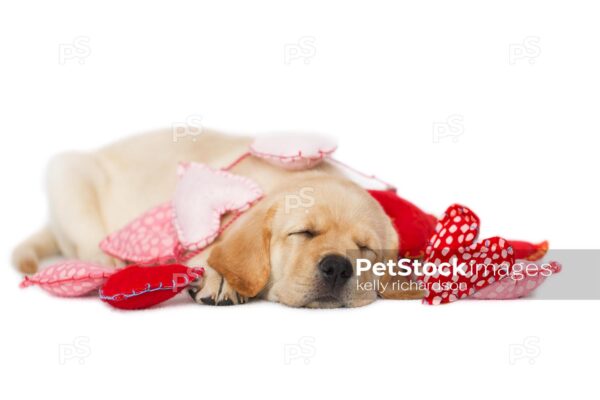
(307, 233)
(363, 247)
(367, 251)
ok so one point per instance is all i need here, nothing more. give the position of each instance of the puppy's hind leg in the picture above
(74, 181)
(28, 254)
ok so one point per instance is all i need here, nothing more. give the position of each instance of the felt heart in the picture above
(529, 251)
(293, 151)
(150, 239)
(459, 227)
(454, 241)
(69, 278)
(519, 284)
(413, 225)
(137, 287)
(202, 196)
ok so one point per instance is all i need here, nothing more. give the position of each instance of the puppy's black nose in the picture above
(335, 270)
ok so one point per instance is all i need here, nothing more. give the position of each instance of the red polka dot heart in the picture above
(455, 240)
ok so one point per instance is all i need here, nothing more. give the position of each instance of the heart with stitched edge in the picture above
(455, 242)
(202, 196)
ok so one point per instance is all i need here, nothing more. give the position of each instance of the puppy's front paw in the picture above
(214, 290)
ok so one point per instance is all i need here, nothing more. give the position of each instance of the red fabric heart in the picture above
(137, 287)
(413, 225)
(455, 239)
(529, 251)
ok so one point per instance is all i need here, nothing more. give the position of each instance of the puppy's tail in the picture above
(27, 255)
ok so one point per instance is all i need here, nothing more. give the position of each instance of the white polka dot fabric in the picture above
(492, 271)
(148, 239)
(70, 278)
(455, 238)
(518, 285)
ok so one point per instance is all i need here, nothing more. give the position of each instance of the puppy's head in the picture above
(300, 245)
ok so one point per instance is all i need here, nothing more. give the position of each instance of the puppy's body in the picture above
(94, 194)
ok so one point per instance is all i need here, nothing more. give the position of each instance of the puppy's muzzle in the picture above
(335, 270)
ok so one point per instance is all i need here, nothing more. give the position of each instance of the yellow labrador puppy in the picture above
(301, 253)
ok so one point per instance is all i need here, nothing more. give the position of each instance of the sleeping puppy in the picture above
(301, 253)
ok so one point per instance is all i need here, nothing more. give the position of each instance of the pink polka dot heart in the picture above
(69, 278)
(455, 240)
(149, 239)
(517, 284)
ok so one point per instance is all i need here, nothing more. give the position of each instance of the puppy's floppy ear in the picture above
(243, 256)
(394, 284)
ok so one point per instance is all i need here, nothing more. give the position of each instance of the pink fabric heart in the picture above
(69, 278)
(519, 284)
(177, 230)
(202, 196)
(293, 151)
(149, 239)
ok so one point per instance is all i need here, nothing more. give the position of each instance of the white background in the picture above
(383, 77)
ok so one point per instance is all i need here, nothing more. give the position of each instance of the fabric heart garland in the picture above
(130, 288)
(455, 240)
(179, 229)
